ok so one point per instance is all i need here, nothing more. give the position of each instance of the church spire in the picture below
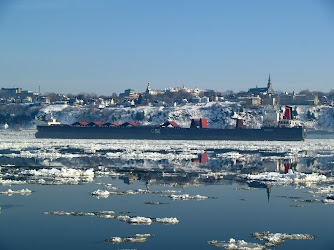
(269, 82)
(148, 89)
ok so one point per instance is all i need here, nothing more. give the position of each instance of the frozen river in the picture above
(129, 194)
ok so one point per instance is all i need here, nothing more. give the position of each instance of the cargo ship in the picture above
(274, 129)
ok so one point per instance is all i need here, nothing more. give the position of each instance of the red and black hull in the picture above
(158, 133)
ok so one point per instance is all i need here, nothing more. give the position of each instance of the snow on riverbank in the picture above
(219, 114)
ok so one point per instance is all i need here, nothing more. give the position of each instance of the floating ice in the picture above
(123, 218)
(188, 197)
(236, 244)
(167, 220)
(136, 238)
(273, 240)
(147, 221)
(290, 177)
(330, 196)
(307, 200)
(63, 172)
(154, 203)
(139, 220)
(106, 216)
(108, 186)
(101, 193)
(11, 182)
(102, 214)
(166, 191)
(144, 235)
(105, 193)
(329, 201)
(322, 190)
(22, 191)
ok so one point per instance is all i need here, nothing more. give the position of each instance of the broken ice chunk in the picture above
(167, 220)
(134, 239)
(101, 193)
(22, 192)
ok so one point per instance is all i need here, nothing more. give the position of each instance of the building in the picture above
(149, 91)
(293, 99)
(129, 94)
(263, 91)
(11, 91)
(269, 99)
(250, 101)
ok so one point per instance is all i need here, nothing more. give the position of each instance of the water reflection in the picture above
(215, 190)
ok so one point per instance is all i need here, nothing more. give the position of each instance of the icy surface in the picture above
(275, 239)
(272, 240)
(136, 238)
(167, 220)
(188, 197)
(24, 191)
(151, 169)
(236, 244)
(63, 172)
(291, 176)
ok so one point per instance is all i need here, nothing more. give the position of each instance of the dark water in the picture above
(239, 207)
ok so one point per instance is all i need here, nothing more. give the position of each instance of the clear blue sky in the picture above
(106, 46)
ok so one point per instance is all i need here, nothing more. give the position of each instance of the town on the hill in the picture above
(169, 97)
(20, 108)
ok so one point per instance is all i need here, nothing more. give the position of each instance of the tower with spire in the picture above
(148, 89)
(270, 86)
(263, 91)
(269, 82)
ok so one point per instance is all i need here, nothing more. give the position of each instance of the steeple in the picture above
(148, 89)
(269, 82)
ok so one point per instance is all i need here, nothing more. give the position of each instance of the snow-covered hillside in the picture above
(219, 115)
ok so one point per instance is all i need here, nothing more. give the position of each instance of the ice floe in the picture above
(167, 220)
(134, 239)
(322, 190)
(307, 200)
(188, 197)
(105, 193)
(101, 193)
(154, 203)
(147, 221)
(271, 240)
(236, 244)
(10, 192)
(11, 182)
(63, 172)
(102, 214)
(290, 177)
(275, 239)
(139, 220)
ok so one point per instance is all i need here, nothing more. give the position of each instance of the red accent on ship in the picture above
(170, 123)
(288, 113)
